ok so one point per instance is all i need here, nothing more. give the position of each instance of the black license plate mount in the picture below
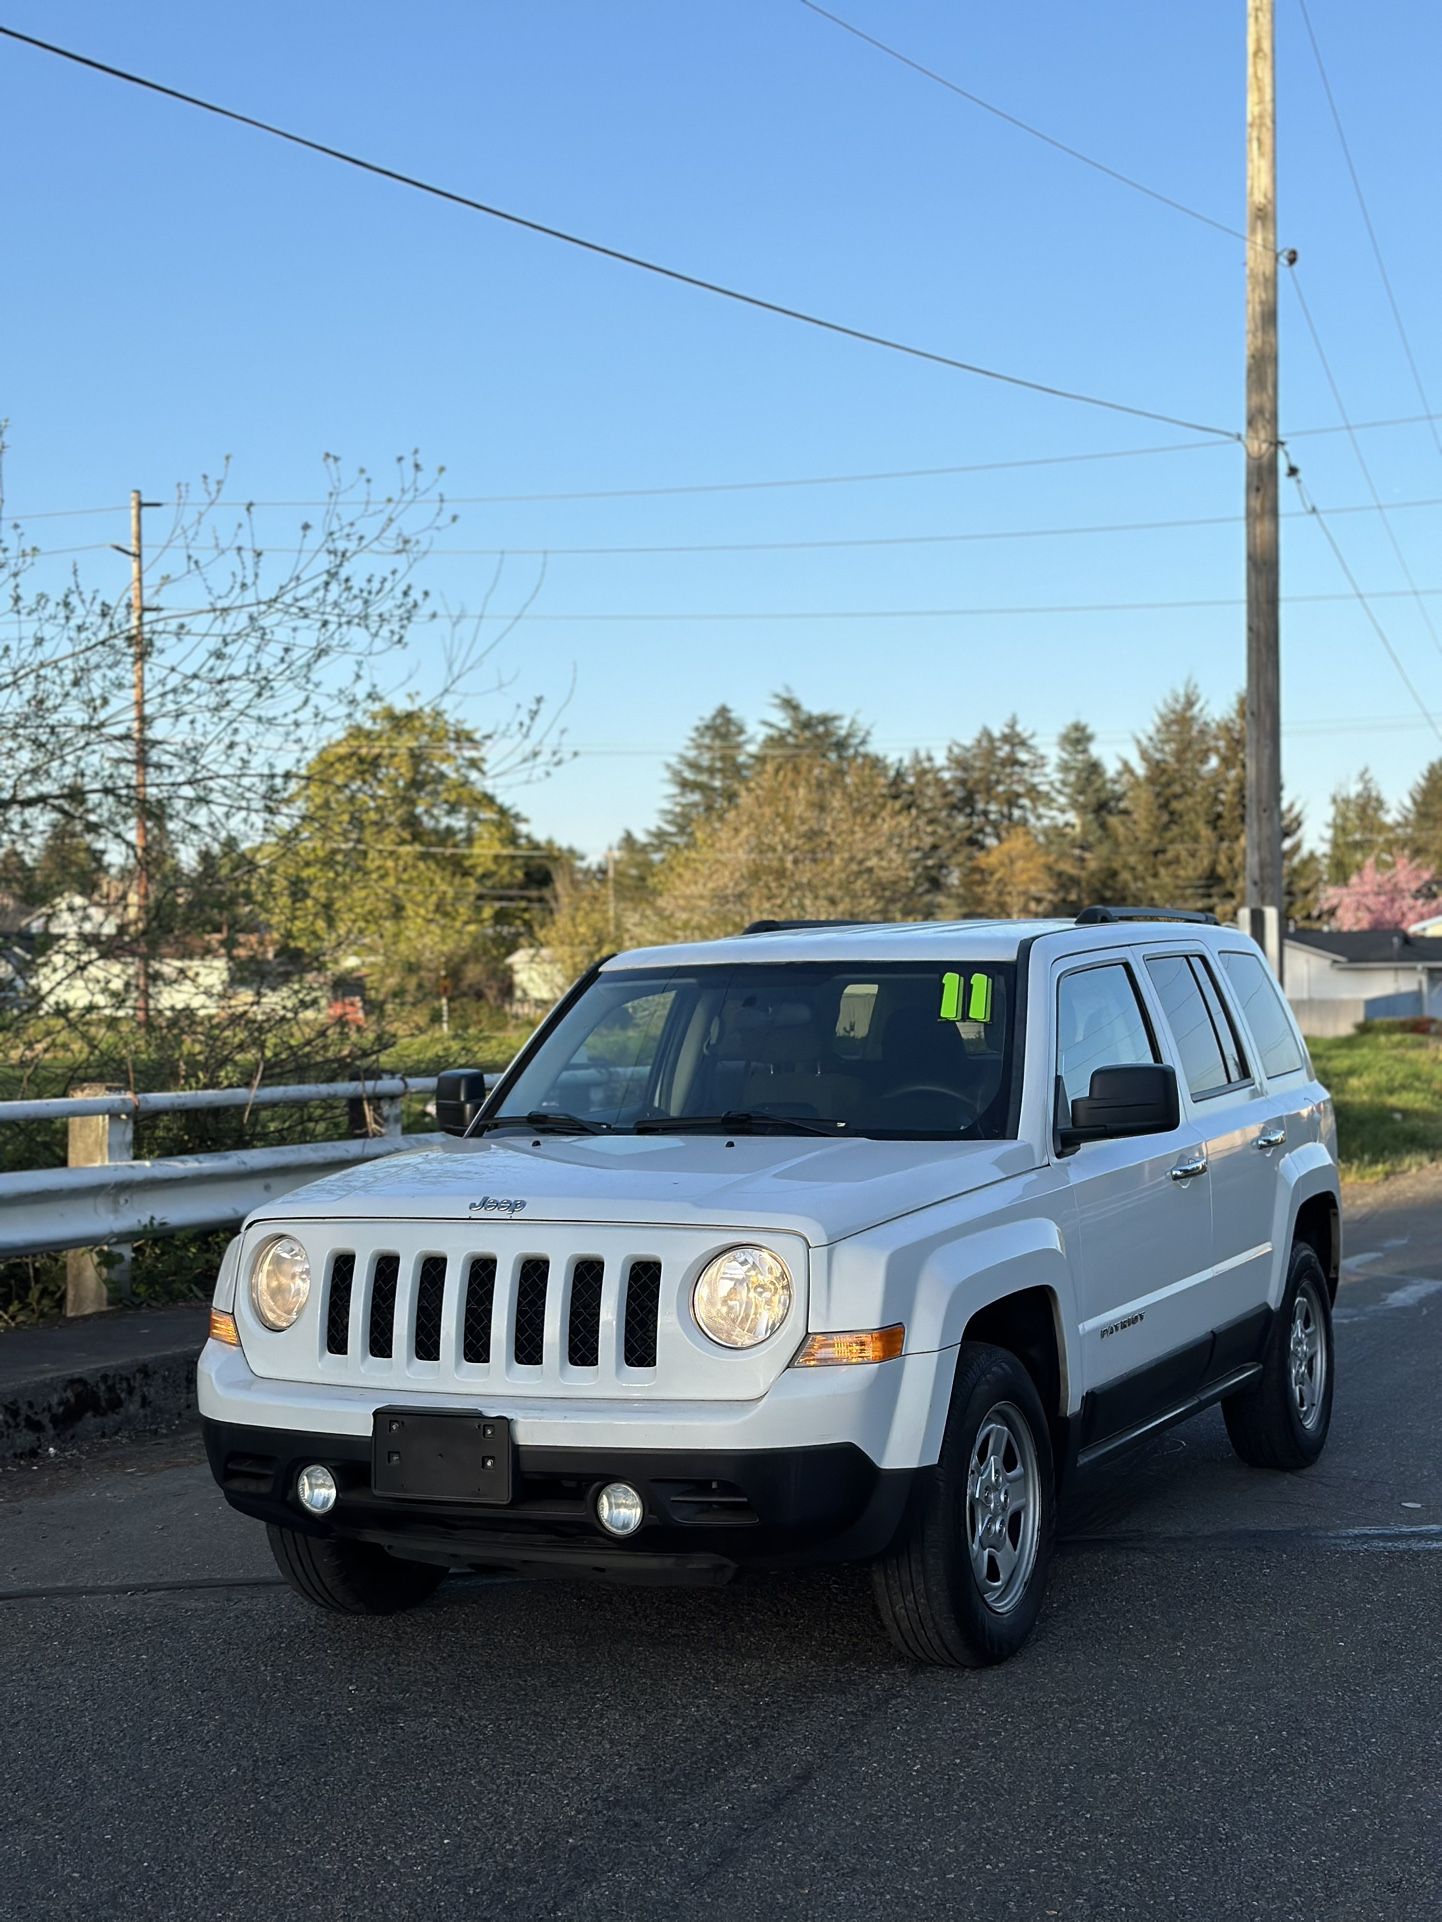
(455, 1455)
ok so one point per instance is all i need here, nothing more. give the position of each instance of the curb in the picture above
(98, 1398)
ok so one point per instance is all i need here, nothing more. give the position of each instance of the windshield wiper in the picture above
(736, 1121)
(553, 1118)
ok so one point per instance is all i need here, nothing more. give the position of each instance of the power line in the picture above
(873, 540)
(1377, 502)
(1367, 222)
(805, 480)
(1023, 126)
(617, 254)
(1317, 515)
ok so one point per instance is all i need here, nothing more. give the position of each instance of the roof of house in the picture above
(1372, 946)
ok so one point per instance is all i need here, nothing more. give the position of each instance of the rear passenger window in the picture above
(1232, 1051)
(1262, 1009)
(1198, 1049)
(1100, 1024)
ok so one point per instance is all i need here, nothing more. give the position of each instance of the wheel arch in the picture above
(1318, 1223)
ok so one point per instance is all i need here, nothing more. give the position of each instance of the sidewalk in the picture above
(128, 1372)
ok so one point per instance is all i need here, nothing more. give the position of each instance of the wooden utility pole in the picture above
(142, 869)
(1264, 904)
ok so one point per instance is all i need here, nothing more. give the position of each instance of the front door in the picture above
(1144, 1217)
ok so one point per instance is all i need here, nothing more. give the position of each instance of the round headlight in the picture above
(279, 1281)
(742, 1297)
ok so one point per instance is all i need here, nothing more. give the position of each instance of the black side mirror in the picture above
(460, 1096)
(1137, 1100)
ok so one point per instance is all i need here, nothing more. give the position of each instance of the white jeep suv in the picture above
(819, 1242)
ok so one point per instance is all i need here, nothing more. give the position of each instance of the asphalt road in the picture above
(1232, 1706)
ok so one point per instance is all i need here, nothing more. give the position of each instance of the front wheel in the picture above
(1281, 1419)
(349, 1578)
(963, 1586)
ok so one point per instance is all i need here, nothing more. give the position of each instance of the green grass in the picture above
(1387, 1084)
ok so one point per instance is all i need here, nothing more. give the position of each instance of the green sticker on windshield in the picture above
(978, 1006)
(951, 997)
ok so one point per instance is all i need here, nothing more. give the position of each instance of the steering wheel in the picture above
(922, 1087)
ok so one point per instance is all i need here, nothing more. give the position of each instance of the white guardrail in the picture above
(106, 1198)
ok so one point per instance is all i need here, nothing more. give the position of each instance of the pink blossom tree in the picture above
(1393, 894)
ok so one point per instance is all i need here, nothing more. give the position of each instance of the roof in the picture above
(1371, 947)
(935, 941)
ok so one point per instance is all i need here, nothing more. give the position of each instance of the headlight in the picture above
(742, 1296)
(279, 1281)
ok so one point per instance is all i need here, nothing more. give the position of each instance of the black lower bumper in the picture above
(707, 1514)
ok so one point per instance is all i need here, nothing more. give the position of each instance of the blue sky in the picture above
(178, 290)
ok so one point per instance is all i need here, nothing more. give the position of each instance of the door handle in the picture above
(1272, 1137)
(1187, 1170)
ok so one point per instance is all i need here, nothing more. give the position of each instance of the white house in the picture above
(1333, 981)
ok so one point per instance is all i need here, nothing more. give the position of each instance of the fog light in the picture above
(619, 1509)
(315, 1489)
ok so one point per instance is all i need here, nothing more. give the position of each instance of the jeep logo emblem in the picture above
(496, 1205)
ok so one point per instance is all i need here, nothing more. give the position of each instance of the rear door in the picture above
(1144, 1213)
(1224, 1098)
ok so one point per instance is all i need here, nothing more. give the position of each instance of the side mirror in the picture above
(460, 1096)
(1137, 1100)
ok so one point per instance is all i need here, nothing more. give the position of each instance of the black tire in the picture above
(1267, 1422)
(929, 1595)
(350, 1578)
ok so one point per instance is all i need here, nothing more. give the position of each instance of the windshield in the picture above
(919, 1050)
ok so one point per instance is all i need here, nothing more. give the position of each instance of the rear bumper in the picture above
(708, 1512)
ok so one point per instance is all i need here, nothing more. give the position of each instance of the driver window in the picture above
(1100, 1024)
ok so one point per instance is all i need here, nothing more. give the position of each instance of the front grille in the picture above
(535, 1276)
(567, 1315)
(583, 1335)
(337, 1314)
(480, 1297)
(643, 1300)
(383, 1304)
(430, 1293)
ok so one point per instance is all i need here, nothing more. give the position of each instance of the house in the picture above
(1334, 981)
(537, 979)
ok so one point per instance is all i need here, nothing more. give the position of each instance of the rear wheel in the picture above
(1281, 1419)
(964, 1584)
(349, 1578)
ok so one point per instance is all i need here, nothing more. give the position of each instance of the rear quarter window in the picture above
(1260, 1000)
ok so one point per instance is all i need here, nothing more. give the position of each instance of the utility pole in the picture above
(1263, 915)
(142, 869)
(611, 890)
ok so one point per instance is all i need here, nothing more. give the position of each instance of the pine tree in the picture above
(1422, 818)
(1167, 832)
(1080, 842)
(1360, 828)
(796, 731)
(705, 777)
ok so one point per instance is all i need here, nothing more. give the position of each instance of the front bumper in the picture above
(707, 1513)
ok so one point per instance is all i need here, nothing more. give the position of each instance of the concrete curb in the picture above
(112, 1375)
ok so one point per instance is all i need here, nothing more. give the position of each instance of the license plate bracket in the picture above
(455, 1455)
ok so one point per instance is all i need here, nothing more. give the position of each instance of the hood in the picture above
(824, 1190)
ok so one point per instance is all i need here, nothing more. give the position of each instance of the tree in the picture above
(1080, 843)
(396, 853)
(1394, 895)
(705, 777)
(1422, 818)
(795, 731)
(1360, 828)
(1166, 831)
(1301, 873)
(809, 839)
(1014, 878)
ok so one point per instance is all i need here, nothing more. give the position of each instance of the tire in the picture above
(1281, 1419)
(929, 1585)
(350, 1578)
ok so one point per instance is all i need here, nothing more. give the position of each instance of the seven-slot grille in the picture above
(529, 1312)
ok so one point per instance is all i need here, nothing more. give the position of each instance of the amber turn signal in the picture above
(223, 1328)
(861, 1344)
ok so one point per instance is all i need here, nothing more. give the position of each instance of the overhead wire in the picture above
(624, 258)
(1367, 222)
(1024, 126)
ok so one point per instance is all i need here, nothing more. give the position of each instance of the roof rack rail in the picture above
(1096, 917)
(787, 927)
